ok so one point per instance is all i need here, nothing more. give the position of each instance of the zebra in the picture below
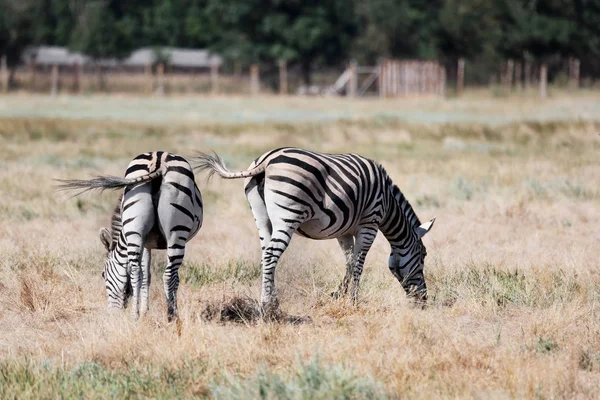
(325, 196)
(159, 208)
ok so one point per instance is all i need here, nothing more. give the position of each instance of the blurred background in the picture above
(335, 47)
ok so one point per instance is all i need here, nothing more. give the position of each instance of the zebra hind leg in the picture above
(175, 253)
(347, 245)
(253, 188)
(145, 289)
(280, 240)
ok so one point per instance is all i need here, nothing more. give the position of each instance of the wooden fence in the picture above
(69, 80)
(411, 77)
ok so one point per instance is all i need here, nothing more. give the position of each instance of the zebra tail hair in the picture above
(214, 164)
(103, 183)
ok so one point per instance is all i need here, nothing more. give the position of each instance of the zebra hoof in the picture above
(172, 316)
(271, 312)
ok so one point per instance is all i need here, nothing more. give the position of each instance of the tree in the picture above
(465, 28)
(396, 28)
(101, 34)
(164, 23)
(300, 32)
(17, 30)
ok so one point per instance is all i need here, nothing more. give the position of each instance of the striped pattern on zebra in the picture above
(159, 208)
(325, 196)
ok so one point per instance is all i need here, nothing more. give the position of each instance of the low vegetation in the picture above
(512, 269)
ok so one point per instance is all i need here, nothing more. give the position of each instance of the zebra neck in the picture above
(400, 220)
(120, 250)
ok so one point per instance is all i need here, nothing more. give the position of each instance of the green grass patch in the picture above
(311, 381)
(502, 287)
(199, 274)
(92, 381)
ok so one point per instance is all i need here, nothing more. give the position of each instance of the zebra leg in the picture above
(145, 290)
(280, 239)
(347, 245)
(134, 245)
(363, 241)
(175, 255)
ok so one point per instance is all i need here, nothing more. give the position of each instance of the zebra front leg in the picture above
(362, 244)
(175, 255)
(280, 240)
(347, 245)
(145, 289)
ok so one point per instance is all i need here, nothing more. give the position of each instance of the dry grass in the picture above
(512, 269)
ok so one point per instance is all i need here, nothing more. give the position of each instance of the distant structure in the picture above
(176, 58)
(411, 77)
(183, 60)
(391, 78)
(53, 55)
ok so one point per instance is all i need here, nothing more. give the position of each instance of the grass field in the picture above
(512, 266)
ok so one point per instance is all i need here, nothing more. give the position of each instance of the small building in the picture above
(176, 58)
(47, 56)
(183, 60)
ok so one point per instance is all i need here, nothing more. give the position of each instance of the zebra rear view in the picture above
(329, 196)
(160, 208)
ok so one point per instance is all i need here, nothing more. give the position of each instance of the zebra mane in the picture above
(115, 221)
(405, 206)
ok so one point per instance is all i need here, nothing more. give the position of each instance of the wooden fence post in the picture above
(54, 85)
(527, 74)
(32, 71)
(460, 77)
(574, 68)
(160, 77)
(510, 70)
(283, 88)
(149, 77)
(353, 82)
(442, 80)
(76, 83)
(254, 80)
(519, 76)
(214, 77)
(4, 74)
(381, 82)
(543, 80)
(237, 70)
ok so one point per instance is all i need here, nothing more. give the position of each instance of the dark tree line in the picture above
(309, 33)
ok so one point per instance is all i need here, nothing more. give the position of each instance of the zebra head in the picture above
(116, 278)
(407, 264)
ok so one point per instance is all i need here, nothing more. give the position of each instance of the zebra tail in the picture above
(215, 164)
(104, 182)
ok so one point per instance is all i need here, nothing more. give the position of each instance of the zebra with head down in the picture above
(325, 196)
(160, 208)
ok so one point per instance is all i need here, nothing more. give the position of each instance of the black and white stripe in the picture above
(160, 208)
(325, 196)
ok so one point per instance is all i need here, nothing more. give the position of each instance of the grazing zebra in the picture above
(160, 208)
(325, 196)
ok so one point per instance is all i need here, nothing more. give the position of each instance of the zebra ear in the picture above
(106, 239)
(424, 228)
